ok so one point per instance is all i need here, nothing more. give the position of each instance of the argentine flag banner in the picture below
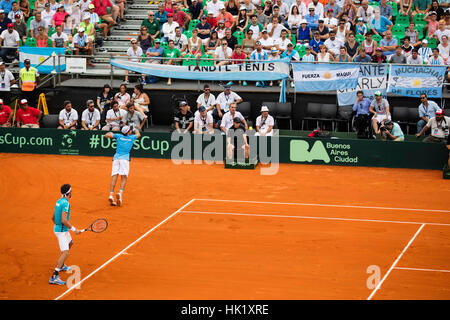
(325, 77)
(37, 55)
(412, 81)
(251, 71)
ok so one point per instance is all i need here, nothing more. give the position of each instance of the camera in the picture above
(383, 128)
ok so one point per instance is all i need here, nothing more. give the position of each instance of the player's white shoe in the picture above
(119, 198)
(111, 200)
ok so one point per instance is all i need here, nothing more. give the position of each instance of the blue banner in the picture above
(325, 77)
(371, 78)
(37, 55)
(412, 81)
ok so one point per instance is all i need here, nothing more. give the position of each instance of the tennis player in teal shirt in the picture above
(61, 229)
(121, 160)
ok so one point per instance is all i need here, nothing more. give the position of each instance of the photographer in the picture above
(439, 128)
(391, 131)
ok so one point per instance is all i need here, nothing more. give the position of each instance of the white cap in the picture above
(125, 129)
(23, 101)
(424, 41)
(1, 101)
(264, 108)
(311, 6)
(303, 21)
(86, 16)
(81, 29)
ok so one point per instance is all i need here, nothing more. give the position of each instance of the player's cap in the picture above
(66, 188)
(125, 129)
(237, 120)
(81, 29)
(182, 103)
(91, 6)
(23, 101)
(424, 41)
(202, 108)
(440, 111)
(378, 93)
(10, 25)
(264, 108)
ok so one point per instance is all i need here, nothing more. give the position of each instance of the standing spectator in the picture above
(122, 97)
(222, 54)
(206, 99)
(432, 24)
(264, 123)
(439, 126)
(68, 117)
(398, 57)
(20, 27)
(27, 117)
(115, 118)
(414, 58)
(362, 119)
(203, 121)
(184, 119)
(83, 45)
(6, 115)
(380, 110)
(29, 78)
(174, 54)
(6, 81)
(134, 119)
(11, 40)
(168, 28)
(152, 25)
(388, 44)
(427, 110)
(223, 102)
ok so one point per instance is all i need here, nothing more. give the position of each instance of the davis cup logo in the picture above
(68, 139)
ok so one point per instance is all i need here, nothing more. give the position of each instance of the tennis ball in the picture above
(250, 128)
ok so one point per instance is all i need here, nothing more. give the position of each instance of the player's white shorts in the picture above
(64, 239)
(381, 117)
(120, 167)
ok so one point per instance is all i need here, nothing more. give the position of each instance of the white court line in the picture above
(327, 205)
(124, 250)
(418, 269)
(308, 217)
(395, 262)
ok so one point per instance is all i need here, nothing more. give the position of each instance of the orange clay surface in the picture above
(225, 249)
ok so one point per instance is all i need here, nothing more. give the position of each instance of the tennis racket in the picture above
(99, 225)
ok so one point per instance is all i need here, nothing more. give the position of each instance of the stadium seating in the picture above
(283, 111)
(401, 116)
(344, 115)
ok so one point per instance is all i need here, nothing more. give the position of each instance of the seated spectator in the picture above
(68, 27)
(444, 49)
(174, 54)
(134, 54)
(436, 59)
(152, 25)
(89, 28)
(59, 38)
(58, 17)
(388, 44)
(220, 29)
(398, 57)
(27, 117)
(262, 18)
(343, 56)
(308, 57)
(6, 82)
(427, 110)
(324, 31)
(231, 6)
(341, 31)
(214, 6)
(304, 33)
(258, 55)
(241, 19)
(226, 17)
(83, 45)
(432, 24)
(24, 6)
(294, 19)
(213, 42)
(264, 123)
(90, 118)
(204, 29)
(47, 15)
(268, 5)
(424, 51)
(407, 48)
(14, 11)
(439, 126)
(227, 119)
(10, 39)
(312, 18)
(144, 39)
(405, 7)
(180, 41)
(115, 117)
(237, 140)
(248, 43)
(206, 99)
(333, 44)
(266, 41)
(380, 24)
(168, 6)
(168, 28)
(211, 20)
(380, 110)
(414, 58)
(391, 131)
(39, 6)
(362, 56)
(369, 44)
(6, 6)
(140, 99)
(195, 44)
(282, 43)
(223, 102)
(324, 55)
(255, 27)
(442, 31)
(41, 38)
(203, 121)
(290, 53)
(361, 28)
(436, 7)
(155, 53)
(101, 8)
(421, 6)
(196, 10)
(413, 35)
(21, 28)
(184, 119)
(282, 7)
(122, 97)
(274, 29)
(35, 24)
(351, 45)
(119, 10)
(77, 15)
(365, 11)
(330, 20)
(134, 119)
(6, 115)
(378, 57)
(68, 117)
(315, 43)
(222, 54)
(385, 9)
(180, 17)
(362, 119)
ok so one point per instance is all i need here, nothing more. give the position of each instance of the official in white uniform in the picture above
(264, 123)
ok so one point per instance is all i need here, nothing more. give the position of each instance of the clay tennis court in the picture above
(309, 232)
